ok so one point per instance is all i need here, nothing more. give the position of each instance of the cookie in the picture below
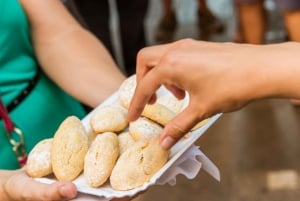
(171, 102)
(109, 118)
(70, 144)
(39, 159)
(144, 128)
(158, 113)
(125, 141)
(200, 124)
(126, 91)
(101, 158)
(138, 164)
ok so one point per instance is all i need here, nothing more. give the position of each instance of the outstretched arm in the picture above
(70, 55)
(219, 78)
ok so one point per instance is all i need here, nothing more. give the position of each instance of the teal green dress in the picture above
(42, 111)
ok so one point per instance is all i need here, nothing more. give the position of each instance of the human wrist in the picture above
(285, 67)
(276, 71)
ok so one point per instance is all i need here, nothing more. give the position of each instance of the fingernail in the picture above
(168, 142)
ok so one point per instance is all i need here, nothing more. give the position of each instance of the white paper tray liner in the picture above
(185, 159)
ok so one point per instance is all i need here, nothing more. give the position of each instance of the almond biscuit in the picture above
(101, 158)
(39, 159)
(158, 113)
(126, 91)
(200, 124)
(138, 164)
(171, 102)
(125, 141)
(70, 144)
(144, 128)
(109, 118)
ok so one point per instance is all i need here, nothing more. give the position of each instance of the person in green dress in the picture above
(41, 36)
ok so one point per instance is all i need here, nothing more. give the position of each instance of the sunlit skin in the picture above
(76, 61)
(219, 78)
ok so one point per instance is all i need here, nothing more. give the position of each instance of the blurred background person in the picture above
(253, 21)
(42, 81)
(207, 22)
(131, 14)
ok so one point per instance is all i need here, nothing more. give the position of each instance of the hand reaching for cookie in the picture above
(219, 78)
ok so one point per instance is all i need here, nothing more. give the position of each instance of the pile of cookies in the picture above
(125, 154)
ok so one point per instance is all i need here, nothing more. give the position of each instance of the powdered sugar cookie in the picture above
(125, 141)
(39, 159)
(171, 102)
(101, 158)
(70, 144)
(138, 164)
(109, 118)
(158, 113)
(144, 128)
(200, 124)
(126, 91)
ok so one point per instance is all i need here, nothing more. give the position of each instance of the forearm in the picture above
(80, 64)
(274, 71)
(69, 54)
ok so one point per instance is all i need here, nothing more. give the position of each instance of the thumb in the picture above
(178, 127)
(38, 191)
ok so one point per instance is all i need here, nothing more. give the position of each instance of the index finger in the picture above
(148, 58)
(144, 90)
